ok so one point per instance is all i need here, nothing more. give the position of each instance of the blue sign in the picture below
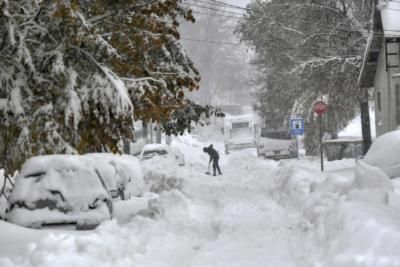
(297, 126)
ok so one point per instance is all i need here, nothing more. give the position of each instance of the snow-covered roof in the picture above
(239, 118)
(390, 13)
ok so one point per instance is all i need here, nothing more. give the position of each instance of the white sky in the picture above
(391, 18)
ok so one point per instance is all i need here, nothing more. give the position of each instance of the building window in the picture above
(378, 99)
(397, 92)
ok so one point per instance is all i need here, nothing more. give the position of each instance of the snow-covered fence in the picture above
(6, 185)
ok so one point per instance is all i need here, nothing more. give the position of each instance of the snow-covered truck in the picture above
(276, 144)
(239, 132)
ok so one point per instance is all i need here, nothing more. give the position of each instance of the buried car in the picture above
(163, 151)
(121, 174)
(58, 190)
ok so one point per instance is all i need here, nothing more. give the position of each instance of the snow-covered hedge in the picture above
(356, 217)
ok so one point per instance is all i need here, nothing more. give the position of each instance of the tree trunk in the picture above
(145, 132)
(365, 121)
(158, 133)
(151, 133)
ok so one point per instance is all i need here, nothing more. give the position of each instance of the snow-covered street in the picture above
(200, 133)
(229, 220)
(258, 213)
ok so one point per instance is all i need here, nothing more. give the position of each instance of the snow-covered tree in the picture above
(306, 51)
(75, 73)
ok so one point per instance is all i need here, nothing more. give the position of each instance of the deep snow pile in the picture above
(356, 219)
(384, 153)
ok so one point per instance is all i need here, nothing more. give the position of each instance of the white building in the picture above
(381, 68)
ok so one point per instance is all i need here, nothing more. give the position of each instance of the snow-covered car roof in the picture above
(239, 118)
(155, 147)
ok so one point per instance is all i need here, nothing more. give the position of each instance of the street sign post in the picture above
(320, 108)
(296, 129)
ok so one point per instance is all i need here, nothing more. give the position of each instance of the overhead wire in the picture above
(290, 19)
(279, 20)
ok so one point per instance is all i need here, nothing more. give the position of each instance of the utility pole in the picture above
(365, 120)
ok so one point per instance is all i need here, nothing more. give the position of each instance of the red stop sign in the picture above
(320, 107)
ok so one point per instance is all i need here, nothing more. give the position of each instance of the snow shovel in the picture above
(208, 170)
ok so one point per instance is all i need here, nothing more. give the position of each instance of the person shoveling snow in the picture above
(214, 157)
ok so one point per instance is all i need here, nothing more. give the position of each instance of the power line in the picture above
(218, 4)
(212, 42)
(290, 20)
(215, 15)
(229, 5)
(211, 8)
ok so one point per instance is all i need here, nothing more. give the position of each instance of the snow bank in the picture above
(172, 240)
(356, 218)
(384, 153)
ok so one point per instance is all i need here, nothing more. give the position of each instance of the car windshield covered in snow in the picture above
(164, 151)
(281, 135)
(151, 153)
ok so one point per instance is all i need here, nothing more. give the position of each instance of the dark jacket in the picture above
(212, 152)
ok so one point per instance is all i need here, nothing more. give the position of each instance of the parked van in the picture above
(276, 144)
(239, 132)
